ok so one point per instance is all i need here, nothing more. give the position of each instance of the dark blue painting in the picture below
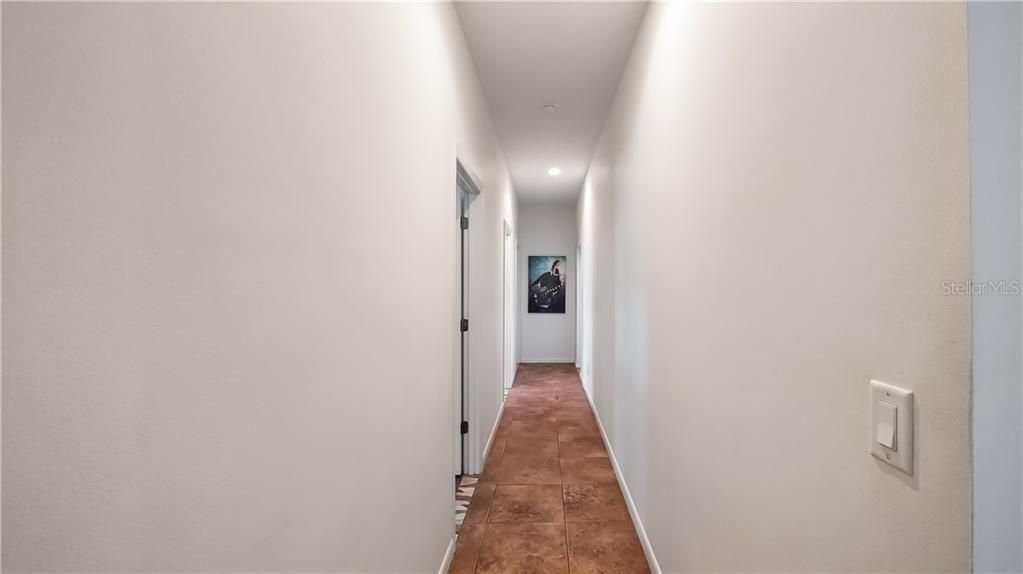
(546, 292)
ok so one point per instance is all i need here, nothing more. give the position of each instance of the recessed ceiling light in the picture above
(550, 107)
(554, 171)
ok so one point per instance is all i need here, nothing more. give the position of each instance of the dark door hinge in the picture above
(464, 223)
(465, 427)
(464, 326)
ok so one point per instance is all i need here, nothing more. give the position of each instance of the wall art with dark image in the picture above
(547, 275)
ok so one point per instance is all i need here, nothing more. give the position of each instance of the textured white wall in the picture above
(785, 188)
(547, 230)
(219, 223)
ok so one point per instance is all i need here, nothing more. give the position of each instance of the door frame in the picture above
(579, 351)
(467, 201)
(508, 295)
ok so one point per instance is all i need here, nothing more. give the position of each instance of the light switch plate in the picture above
(882, 397)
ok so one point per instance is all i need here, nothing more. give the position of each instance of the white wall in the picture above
(595, 221)
(996, 44)
(220, 223)
(547, 230)
(777, 197)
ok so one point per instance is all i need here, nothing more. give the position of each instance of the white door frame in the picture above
(579, 308)
(508, 363)
(466, 446)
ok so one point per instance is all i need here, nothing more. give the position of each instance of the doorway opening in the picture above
(580, 348)
(467, 190)
(508, 361)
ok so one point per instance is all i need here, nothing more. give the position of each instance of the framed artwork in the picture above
(546, 293)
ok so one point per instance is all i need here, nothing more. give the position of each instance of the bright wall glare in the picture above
(554, 171)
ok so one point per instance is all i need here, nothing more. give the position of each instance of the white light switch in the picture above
(887, 419)
(891, 425)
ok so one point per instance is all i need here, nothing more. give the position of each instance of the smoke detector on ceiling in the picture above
(550, 107)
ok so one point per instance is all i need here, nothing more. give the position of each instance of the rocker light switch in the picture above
(891, 425)
(887, 420)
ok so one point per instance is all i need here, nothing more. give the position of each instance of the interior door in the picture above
(466, 442)
(463, 297)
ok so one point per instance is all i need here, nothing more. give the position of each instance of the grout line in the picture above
(525, 523)
(564, 510)
(476, 563)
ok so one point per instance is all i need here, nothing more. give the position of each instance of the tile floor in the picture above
(547, 500)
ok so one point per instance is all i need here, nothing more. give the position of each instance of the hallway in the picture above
(511, 287)
(548, 499)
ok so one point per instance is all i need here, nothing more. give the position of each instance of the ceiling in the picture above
(529, 54)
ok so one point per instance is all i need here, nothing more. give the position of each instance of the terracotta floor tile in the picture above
(587, 471)
(605, 547)
(527, 400)
(548, 435)
(530, 470)
(594, 502)
(543, 412)
(492, 465)
(532, 446)
(503, 427)
(540, 391)
(497, 449)
(533, 503)
(490, 471)
(534, 408)
(576, 415)
(578, 422)
(583, 446)
(467, 548)
(533, 429)
(479, 506)
(570, 432)
(523, 549)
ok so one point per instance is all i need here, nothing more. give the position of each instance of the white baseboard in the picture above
(568, 360)
(493, 433)
(448, 555)
(446, 563)
(655, 568)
